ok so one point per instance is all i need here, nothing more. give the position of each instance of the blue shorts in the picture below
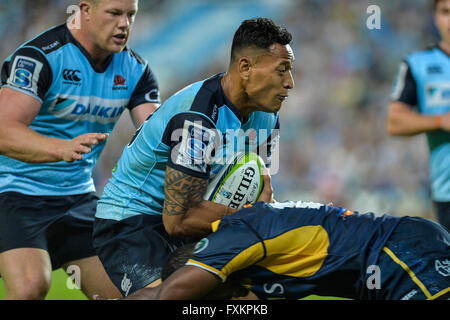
(134, 250)
(415, 262)
(61, 225)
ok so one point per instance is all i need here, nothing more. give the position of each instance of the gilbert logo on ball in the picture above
(237, 183)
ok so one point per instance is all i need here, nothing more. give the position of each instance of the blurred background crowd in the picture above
(333, 146)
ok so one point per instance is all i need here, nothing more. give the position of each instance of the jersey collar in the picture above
(97, 69)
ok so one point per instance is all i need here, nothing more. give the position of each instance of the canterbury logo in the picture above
(71, 75)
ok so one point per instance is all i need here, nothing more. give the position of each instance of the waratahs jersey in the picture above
(423, 81)
(294, 249)
(195, 131)
(77, 97)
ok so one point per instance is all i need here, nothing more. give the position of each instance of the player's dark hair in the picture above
(260, 33)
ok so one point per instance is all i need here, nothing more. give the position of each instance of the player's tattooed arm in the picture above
(182, 191)
(185, 212)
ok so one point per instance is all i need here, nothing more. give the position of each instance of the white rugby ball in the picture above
(237, 183)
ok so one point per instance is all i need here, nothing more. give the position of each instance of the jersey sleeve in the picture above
(27, 71)
(146, 90)
(404, 87)
(192, 139)
(231, 248)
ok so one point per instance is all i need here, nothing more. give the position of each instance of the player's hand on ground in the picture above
(75, 149)
(267, 192)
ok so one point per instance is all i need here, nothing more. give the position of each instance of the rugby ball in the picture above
(237, 183)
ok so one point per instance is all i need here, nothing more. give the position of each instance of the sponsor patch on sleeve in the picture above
(195, 149)
(25, 74)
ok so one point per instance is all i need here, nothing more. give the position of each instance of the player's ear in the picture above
(85, 9)
(244, 66)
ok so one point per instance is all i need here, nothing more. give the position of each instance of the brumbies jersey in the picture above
(195, 131)
(294, 249)
(76, 98)
(423, 81)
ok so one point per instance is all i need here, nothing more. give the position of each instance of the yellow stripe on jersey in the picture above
(409, 271)
(440, 293)
(299, 252)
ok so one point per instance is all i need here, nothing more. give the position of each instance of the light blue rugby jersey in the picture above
(77, 98)
(423, 81)
(194, 131)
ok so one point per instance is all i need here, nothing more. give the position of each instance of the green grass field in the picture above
(59, 290)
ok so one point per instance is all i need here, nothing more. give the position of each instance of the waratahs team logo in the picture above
(119, 83)
(119, 80)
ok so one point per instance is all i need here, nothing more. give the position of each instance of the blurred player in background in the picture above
(291, 250)
(154, 201)
(421, 104)
(62, 93)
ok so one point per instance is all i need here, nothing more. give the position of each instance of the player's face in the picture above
(110, 23)
(442, 19)
(271, 78)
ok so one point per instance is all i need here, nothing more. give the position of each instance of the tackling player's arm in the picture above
(187, 283)
(18, 141)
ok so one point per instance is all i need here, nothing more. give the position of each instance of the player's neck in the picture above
(236, 94)
(97, 55)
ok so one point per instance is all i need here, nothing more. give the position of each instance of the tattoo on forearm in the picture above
(182, 191)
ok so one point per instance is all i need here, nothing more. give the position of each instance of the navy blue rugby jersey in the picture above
(294, 249)
(423, 82)
(196, 131)
(77, 97)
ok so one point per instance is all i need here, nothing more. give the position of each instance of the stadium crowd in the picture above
(334, 145)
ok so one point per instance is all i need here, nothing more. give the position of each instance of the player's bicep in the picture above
(182, 191)
(141, 113)
(17, 107)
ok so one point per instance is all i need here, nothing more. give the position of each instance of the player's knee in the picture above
(29, 288)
